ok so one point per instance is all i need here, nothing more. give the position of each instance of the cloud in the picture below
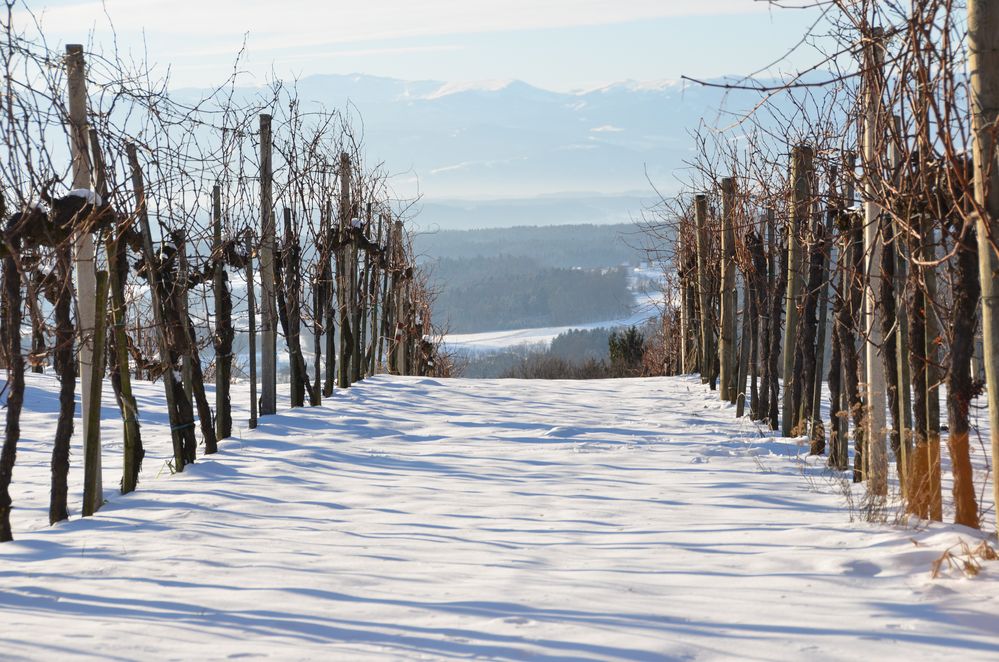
(304, 23)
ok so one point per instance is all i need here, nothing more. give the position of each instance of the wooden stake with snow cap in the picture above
(83, 245)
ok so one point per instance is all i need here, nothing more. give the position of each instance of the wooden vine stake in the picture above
(877, 450)
(83, 244)
(93, 496)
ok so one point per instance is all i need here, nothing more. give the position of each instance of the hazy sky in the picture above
(557, 44)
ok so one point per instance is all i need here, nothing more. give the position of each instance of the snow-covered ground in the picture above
(510, 520)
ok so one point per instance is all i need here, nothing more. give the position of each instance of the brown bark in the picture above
(960, 388)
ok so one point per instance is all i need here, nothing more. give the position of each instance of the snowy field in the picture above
(508, 520)
(646, 306)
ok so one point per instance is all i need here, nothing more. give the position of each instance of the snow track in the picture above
(510, 520)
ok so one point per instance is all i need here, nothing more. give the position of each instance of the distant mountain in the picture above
(506, 139)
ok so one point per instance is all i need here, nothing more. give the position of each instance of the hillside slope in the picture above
(626, 520)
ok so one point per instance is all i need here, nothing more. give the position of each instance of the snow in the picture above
(421, 519)
(646, 306)
(496, 340)
(447, 89)
(92, 197)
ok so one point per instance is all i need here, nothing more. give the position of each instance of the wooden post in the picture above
(223, 325)
(983, 70)
(727, 294)
(93, 496)
(83, 244)
(801, 196)
(708, 356)
(268, 303)
(877, 451)
(252, 327)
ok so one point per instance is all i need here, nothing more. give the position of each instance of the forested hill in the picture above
(525, 277)
(508, 292)
(567, 246)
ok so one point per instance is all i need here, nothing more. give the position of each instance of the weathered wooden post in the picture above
(801, 200)
(93, 496)
(877, 451)
(727, 294)
(83, 245)
(708, 356)
(268, 301)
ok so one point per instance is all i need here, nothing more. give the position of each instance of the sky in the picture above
(555, 44)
